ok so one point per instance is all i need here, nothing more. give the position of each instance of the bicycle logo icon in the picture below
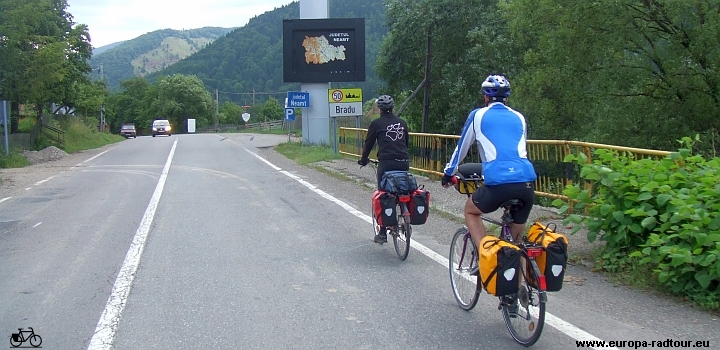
(16, 339)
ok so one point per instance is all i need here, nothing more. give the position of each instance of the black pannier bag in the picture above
(419, 206)
(384, 208)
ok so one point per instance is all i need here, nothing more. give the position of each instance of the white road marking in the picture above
(263, 159)
(551, 320)
(97, 155)
(46, 180)
(4, 199)
(107, 325)
(38, 224)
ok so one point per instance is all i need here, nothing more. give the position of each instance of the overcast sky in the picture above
(110, 21)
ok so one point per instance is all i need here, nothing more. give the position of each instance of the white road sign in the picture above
(346, 109)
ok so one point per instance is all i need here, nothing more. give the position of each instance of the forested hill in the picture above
(151, 52)
(250, 57)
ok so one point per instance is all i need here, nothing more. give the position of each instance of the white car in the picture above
(161, 127)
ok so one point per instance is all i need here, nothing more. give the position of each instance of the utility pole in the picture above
(217, 108)
(102, 107)
(426, 104)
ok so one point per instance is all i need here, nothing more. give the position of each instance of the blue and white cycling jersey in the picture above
(501, 134)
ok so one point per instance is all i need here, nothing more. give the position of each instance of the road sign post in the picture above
(289, 117)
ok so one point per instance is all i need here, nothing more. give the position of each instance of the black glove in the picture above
(363, 162)
(447, 180)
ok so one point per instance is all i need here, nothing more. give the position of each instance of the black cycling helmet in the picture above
(497, 87)
(385, 103)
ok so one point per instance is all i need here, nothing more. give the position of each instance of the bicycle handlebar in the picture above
(371, 161)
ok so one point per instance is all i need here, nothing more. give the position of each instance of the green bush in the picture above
(26, 124)
(14, 159)
(666, 212)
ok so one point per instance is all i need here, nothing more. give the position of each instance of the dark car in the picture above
(128, 130)
(161, 127)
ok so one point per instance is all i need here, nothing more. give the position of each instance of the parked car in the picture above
(128, 130)
(161, 127)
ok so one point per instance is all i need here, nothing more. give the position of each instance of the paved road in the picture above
(216, 241)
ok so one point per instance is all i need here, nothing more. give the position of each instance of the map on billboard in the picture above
(318, 50)
(324, 50)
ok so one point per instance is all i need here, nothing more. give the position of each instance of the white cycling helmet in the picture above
(496, 86)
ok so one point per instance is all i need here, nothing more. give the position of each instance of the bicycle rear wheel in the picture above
(527, 323)
(463, 259)
(401, 236)
(15, 343)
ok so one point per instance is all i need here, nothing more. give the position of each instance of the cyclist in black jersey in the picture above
(391, 134)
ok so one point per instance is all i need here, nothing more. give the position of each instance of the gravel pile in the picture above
(45, 155)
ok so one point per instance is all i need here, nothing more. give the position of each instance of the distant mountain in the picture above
(150, 53)
(101, 49)
(246, 65)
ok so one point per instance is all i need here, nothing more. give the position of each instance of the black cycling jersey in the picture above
(391, 134)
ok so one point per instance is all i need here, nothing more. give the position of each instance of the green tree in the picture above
(43, 52)
(132, 104)
(468, 42)
(89, 98)
(632, 73)
(230, 113)
(270, 110)
(181, 97)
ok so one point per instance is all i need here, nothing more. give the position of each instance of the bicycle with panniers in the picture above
(397, 205)
(519, 273)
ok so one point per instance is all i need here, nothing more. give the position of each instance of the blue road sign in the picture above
(298, 99)
(289, 114)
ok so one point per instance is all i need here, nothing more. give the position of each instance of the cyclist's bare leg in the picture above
(474, 222)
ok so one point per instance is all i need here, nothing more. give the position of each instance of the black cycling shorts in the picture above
(489, 198)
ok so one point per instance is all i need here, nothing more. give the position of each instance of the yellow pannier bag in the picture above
(553, 262)
(499, 263)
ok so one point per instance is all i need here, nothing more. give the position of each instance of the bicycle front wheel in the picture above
(524, 312)
(401, 237)
(35, 340)
(463, 259)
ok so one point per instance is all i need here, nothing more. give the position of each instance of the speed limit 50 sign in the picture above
(345, 95)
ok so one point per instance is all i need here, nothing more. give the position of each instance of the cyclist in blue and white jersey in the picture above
(501, 135)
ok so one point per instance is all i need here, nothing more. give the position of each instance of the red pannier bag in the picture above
(384, 206)
(419, 206)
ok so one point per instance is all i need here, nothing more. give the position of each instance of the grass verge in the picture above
(305, 154)
(79, 136)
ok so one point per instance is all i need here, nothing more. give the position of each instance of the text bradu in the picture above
(345, 109)
(339, 37)
(299, 101)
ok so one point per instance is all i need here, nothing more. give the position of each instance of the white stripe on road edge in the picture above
(46, 180)
(555, 322)
(107, 325)
(4, 199)
(91, 158)
(264, 160)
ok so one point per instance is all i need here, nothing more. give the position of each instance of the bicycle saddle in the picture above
(470, 171)
(513, 204)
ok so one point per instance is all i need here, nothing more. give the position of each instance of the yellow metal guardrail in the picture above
(430, 152)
